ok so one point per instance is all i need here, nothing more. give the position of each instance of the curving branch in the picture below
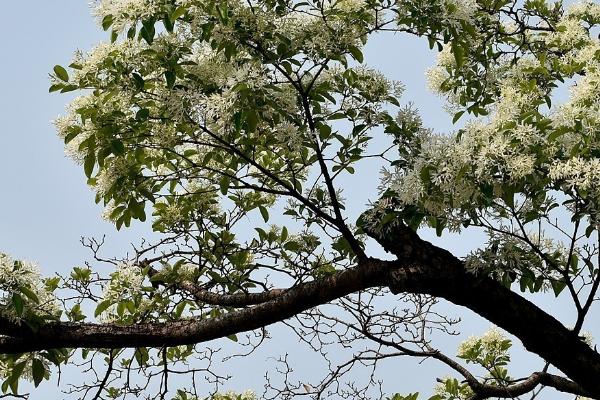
(483, 391)
(431, 270)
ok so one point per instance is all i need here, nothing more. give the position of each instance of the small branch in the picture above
(106, 376)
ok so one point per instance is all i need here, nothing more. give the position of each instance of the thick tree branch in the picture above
(431, 270)
(421, 268)
(190, 331)
(483, 391)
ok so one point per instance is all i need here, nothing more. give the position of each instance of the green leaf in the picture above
(102, 306)
(139, 81)
(168, 23)
(439, 228)
(356, 53)
(179, 12)
(556, 134)
(18, 370)
(508, 195)
(224, 184)
(147, 194)
(223, 12)
(14, 386)
(117, 147)
(107, 21)
(142, 114)
(170, 78)
(13, 380)
(69, 88)
(61, 73)
(393, 100)
(56, 87)
(291, 246)
(251, 121)
(37, 371)
(457, 116)
(574, 263)
(147, 32)
(425, 174)
(264, 212)
(233, 338)
(459, 54)
(141, 356)
(131, 32)
(30, 294)
(18, 304)
(88, 164)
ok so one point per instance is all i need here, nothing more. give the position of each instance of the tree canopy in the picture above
(209, 118)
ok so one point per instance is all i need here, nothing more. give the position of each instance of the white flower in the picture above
(124, 11)
(349, 5)
(15, 274)
(520, 165)
(491, 343)
(569, 33)
(289, 135)
(125, 283)
(579, 173)
(92, 62)
(114, 168)
(462, 10)
(586, 9)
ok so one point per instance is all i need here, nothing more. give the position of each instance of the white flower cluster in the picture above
(463, 390)
(587, 10)
(457, 167)
(578, 173)
(348, 5)
(448, 172)
(588, 338)
(449, 13)
(492, 343)
(125, 11)
(65, 125)
(231, 395)
(289, 135)
(126, 287)
(91, 63)
(310, 33)
(171, 214)
(570, 33)
(115, 168)
(126, 283)
(438, 74)
(460, 10)
(14, 275)
(127, 278)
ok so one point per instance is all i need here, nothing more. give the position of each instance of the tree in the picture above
(210, 113)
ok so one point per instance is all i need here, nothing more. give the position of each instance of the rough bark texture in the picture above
(290, 303)
(435, 271)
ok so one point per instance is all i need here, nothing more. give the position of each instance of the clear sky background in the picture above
(45, 205)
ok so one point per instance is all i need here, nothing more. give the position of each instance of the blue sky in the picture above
(45, 206)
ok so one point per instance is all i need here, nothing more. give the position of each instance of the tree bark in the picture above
(431, 270)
